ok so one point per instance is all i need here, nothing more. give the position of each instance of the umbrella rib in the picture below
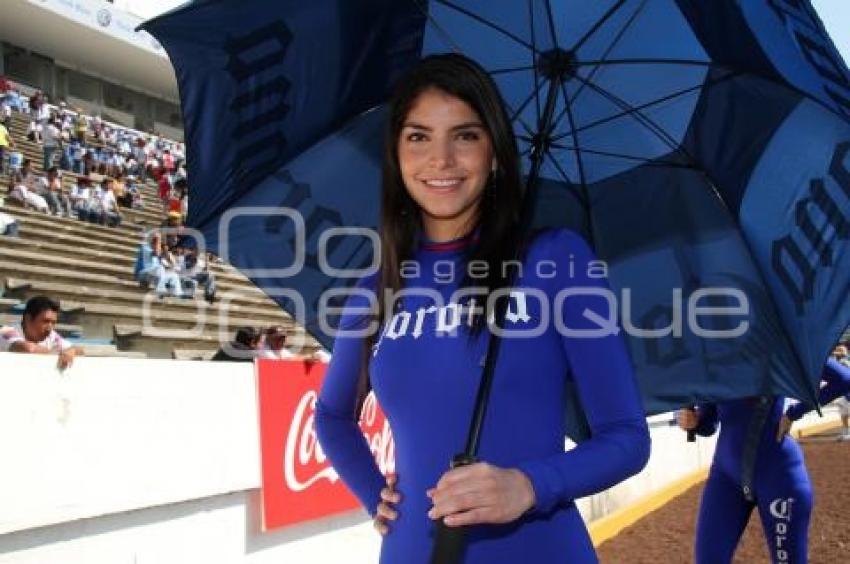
(551, 24)
(581, 174)
(611, 118)
(559, 169)
(642, 160)
(484, 22)
(533, 59)
(689, 62)
(611, 11)
(641, 118)
(610, 48)
(446, 37)
(514, 69)
(535, 94)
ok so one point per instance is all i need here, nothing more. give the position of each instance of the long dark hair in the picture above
(499, 208)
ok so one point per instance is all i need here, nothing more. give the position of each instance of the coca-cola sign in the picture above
(299, 483)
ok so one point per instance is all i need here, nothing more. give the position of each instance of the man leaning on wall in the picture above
(36, 333)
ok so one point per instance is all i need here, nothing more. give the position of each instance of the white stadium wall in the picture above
(157, 462)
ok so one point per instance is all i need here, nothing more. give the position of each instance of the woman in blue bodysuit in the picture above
(452, 195)
(757, 465)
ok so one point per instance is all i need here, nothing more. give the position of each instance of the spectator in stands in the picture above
(841, 353)
(13, 97)
(273, 347)
(151, 270)
(81, 127)
(110, 214)
(36, 333)
(122, 194)
(80, 198)
(16, 161)
(168, 162)
(176, 197)
(137, 200)
(140, 155)
(274, 344)
(243, 348)
(36, 102)
(49, 142)
(6, 144)
(164, 190)
(51, 190)
(194, 271)
(75, 153)
(24, 188)
(8, 225)
(89, 164)
(6, 112)
(34, 132)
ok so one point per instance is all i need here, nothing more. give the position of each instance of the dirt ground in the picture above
(666, 535)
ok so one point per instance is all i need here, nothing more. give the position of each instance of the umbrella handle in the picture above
(449, 541)
(692, 434)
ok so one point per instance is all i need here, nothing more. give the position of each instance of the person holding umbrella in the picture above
(452, 191)
(756, 465)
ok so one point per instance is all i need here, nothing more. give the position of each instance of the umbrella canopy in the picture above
(703, 148)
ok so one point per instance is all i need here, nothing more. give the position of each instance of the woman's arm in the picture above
(336, 420)
(837, 379)
(601, 368)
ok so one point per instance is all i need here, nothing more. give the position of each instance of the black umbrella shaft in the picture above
(449, 542)
(538, 152)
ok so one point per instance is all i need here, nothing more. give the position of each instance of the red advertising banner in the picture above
(298, 483)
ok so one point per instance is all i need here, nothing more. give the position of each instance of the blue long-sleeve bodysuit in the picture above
(426, 377)
(781, 488)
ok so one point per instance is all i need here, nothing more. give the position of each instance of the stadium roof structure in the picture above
(93, 37)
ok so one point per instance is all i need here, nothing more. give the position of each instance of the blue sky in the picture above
(836, 17)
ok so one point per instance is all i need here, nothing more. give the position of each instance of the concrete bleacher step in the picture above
(26, 257)
(121, 234)
(23, 270)
(192, 354)
(60, 230)
(161, 343)
(7, 304)
(150, 214)
(64, 329)
(99, 350)
(27, 288)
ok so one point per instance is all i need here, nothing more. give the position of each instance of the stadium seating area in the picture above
(89, 268)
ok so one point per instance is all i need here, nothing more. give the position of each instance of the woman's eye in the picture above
(469, 136)
(416, 136)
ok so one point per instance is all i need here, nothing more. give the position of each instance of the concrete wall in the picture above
(157, 461)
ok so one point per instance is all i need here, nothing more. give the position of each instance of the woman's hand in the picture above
(481, 493)
(386, 512)
(688, 419)
(783, 428)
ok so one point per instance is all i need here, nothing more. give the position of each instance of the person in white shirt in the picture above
(109, 206)
(36, 333)
(8, 225)
(274, 347)
(50, 188)
(49, 143)
(274, 344)
(34, 132)
(25, 188)
(80, 198)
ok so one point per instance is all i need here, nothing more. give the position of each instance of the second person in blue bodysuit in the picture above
(756, 465)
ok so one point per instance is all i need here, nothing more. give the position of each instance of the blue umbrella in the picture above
(698, 145)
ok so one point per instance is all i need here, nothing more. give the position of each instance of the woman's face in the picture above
(445, 157)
